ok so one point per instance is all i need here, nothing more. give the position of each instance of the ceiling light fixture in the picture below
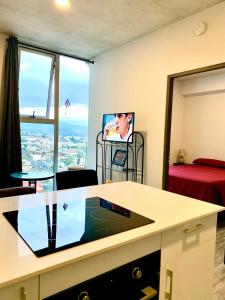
(63, 4)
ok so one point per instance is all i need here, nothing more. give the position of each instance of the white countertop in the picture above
(168, 210)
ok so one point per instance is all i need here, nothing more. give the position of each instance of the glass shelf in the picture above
(133, 168)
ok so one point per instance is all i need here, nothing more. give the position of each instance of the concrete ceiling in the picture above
(91, 27)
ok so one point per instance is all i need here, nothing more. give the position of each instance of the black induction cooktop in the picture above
(49, 229)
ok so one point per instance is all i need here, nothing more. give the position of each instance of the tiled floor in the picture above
(219, 271)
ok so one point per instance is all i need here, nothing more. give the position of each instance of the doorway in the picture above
(171, 84)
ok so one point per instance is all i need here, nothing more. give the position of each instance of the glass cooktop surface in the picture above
(49, 229)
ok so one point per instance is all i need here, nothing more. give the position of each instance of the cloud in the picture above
(76, 112)
(24, 66)
(72, 69)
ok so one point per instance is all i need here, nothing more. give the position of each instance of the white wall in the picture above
(204, 124)
(134, 78)
(212, 83)
(198, 118)
(177, 123)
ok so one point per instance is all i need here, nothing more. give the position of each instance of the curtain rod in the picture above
(29, 46)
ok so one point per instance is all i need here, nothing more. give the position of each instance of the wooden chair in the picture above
(76, 178)
(16, 191)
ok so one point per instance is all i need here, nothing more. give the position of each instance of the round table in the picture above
(32, 176)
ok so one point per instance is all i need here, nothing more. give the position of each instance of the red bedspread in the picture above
(200, 182)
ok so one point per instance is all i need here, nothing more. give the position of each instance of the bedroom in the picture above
(196, 128)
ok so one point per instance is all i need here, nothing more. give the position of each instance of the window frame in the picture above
(51, 79)
(54, 83)
(54, 77)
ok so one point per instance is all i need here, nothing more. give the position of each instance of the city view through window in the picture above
(38, 118)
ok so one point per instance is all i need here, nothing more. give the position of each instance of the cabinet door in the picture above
(24, 290)
(187, 261)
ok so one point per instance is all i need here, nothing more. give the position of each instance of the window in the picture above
(35, 85)
(53, 96)
(73, 112)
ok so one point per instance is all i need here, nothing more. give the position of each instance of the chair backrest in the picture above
(16, 191)
(76, 178)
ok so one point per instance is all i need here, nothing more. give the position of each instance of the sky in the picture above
(34, 85)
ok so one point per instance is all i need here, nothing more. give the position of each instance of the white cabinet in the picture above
(72, 274)
(24, 290)
(187, 261)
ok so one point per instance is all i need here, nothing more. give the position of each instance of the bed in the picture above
(204, 179)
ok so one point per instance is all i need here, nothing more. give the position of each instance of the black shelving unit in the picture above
(134, 166)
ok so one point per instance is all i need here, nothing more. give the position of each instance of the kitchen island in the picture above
(184, 231)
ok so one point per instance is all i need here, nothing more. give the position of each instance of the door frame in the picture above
(168, 114)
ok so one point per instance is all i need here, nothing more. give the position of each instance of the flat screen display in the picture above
(118, 127)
